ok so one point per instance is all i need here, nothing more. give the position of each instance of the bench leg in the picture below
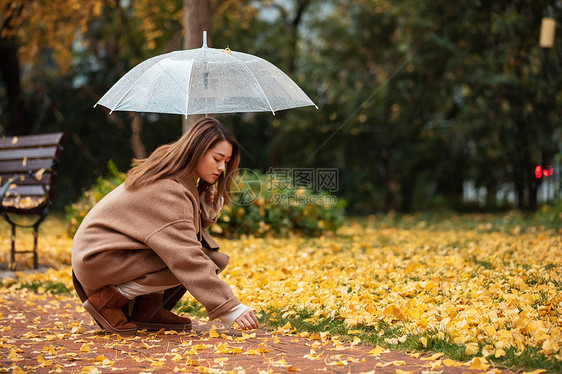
(35, 236)
(13, 251)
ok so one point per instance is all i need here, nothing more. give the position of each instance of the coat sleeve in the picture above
(177, 245)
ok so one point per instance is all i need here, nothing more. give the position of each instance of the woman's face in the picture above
(214, 162)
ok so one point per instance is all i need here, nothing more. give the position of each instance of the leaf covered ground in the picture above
(467, 286)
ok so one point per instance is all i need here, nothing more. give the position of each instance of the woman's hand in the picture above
(247, 320)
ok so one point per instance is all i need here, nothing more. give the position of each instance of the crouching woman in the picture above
(144, 244)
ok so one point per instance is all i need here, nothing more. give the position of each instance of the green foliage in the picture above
(191, 307)
(550, 215)
(268, 208)
(55, 288)
(76, 212)
(256, 210)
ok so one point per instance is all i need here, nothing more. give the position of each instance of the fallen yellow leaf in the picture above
(398, 371)
(479, 363)
(433, 357)
(449, 362)
(377, 351)
(471, 349)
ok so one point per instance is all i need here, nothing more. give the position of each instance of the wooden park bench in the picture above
(27, 183)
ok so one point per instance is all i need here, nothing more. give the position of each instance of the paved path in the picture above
(42, 334)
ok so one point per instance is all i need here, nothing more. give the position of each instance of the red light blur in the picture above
(543, 172)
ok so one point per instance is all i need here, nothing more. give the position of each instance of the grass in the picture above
(55, 288)
(386, 335)
(190, 307)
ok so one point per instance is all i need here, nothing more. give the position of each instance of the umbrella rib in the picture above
(131, 86)
(191, 74)
(256, 79)
(178, 83)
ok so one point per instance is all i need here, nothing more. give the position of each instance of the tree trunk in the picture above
(391, 188)
(533, 191)
(137, 146)
(139, 151)
(491, 192)
(294, 35)
(519, 182)
(9, 66)
(196, 19)
(407, 190)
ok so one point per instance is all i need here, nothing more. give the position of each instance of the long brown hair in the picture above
(180, 159)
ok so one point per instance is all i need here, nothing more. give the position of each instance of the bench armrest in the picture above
(5, 188)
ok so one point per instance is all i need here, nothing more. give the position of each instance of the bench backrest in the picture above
(31, 158)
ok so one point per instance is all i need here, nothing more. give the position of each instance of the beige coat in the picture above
(154, 236)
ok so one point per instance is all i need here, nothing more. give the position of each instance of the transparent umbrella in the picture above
(204, 81)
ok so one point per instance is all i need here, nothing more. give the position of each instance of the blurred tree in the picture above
(272, 30)
(510, 118)
(196, 19)
(414, 97)
(382, 93)
(27, 30)
(433, 92)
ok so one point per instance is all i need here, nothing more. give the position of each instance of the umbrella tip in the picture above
(204, 39)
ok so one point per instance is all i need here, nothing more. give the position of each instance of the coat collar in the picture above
(191, 185)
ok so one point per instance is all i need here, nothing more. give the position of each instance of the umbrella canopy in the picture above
(204, 81)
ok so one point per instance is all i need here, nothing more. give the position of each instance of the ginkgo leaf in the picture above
(433, 357)
(479, 363)
(223, 348)
(499, 353)
(471, 349)
(17, 370)
(90, 370)
(452, 363)
(391, 363)
(14, 355)
(377, 351)
(39, 174)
